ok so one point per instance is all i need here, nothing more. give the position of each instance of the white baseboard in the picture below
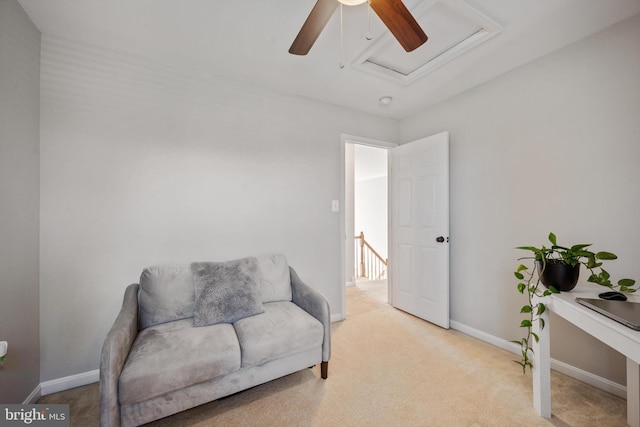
(589, 378)
(69, 382)
(564, 368)
(483, 336)
(34, 396)
(337, 317)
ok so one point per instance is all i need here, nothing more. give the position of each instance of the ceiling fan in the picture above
(393, 13)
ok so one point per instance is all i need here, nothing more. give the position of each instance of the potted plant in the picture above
(558, 268)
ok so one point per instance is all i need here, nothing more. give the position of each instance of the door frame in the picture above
(352, 139)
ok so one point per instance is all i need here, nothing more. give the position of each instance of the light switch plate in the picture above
(335, 206)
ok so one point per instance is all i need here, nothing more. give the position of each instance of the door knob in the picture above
(440, 239)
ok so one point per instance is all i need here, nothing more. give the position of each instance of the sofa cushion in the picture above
(282, 330)
(174, 355)
(166, 294)
(226, 291)
(274, 278)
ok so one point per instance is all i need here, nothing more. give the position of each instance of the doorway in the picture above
(365, 255)
(418, 227)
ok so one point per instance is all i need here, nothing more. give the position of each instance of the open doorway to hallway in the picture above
(367, 255)
(418, 227)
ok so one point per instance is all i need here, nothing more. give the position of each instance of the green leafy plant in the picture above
(529, 283)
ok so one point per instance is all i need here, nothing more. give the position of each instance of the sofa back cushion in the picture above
(167, 291)
(274, 278)
(166, 294)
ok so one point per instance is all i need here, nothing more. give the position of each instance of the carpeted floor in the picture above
(391, 369)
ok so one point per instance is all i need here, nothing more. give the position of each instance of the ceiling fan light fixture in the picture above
(393, 13)
(352, 2)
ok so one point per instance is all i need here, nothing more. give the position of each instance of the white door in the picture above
(419, 225)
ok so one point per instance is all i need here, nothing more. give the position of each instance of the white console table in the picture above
(619, 337)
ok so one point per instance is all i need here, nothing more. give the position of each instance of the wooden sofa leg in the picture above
(324, 370)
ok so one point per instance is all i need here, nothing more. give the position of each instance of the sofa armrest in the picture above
(316, 305)
(115, 350)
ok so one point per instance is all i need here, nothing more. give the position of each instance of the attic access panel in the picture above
(453, 28)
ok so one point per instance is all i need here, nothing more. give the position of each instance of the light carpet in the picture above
(391, 369)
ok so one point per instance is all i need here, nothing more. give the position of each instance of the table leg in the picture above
(633, 393)
(542, 369)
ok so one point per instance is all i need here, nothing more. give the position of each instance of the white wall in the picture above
(144, 164)
(19, 201)
(371, 208)
(371, 212)
(551, 146)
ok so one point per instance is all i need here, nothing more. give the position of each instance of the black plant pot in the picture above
(562, 276)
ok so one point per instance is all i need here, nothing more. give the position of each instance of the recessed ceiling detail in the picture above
(453, 28)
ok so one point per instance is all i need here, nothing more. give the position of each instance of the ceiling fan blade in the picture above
(312, 27)
(395, 15)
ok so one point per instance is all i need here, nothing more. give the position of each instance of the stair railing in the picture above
(369, 263)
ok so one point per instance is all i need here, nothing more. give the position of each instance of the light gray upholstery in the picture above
(283, 329)
(154, 363)
(316, 305)
(166, 294)
(275, 280)
(198, 394)
(226, 291)
(174, 355)
(114, 355)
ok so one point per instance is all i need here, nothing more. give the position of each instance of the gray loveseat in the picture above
(189, 334)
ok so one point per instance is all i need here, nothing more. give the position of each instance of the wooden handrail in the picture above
(367, 252)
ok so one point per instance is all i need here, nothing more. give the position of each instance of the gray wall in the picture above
(143, 163)
(19, 201)
(551, 146)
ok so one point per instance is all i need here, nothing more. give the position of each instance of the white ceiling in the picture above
(249, 40)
